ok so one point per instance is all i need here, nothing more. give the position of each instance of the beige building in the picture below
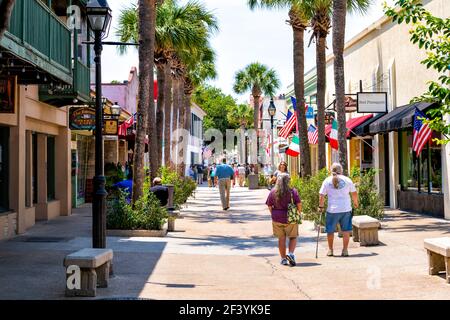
(384, 60)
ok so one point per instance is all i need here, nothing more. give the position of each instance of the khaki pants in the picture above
(241, 179)
(224, 190)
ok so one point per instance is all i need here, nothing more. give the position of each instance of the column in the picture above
(41, 206)
(445, 154)
(63, 191)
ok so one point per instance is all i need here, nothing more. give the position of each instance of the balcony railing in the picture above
(35, 32)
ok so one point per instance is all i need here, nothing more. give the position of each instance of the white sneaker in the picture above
(284, 262)
(330, 253)
(291, 258)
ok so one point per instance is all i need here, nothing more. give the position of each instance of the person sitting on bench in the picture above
(160, 191)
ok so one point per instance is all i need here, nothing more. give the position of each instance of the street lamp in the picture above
(115, 109)
(99, 17)
(272, 112)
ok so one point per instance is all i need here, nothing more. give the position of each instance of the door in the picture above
(4, 169)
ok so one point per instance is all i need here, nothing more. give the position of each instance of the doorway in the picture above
(4, 169)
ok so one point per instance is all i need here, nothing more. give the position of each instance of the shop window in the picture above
(4, 169)
(50, 168)
(422, 173)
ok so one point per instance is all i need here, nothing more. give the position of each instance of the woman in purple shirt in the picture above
(278, 201)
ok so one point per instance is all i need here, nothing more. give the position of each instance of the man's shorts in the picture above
(343, 218)
(281, 230)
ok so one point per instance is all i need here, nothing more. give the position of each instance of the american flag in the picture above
(291, 121)
(313, 134)
(421, 133)
(207, 153)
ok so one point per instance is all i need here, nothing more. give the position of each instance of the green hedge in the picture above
(183, 187)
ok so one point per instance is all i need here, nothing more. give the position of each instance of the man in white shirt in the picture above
(338, 188)
(241, 173)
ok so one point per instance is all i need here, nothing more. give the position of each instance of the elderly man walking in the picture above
(225, 174)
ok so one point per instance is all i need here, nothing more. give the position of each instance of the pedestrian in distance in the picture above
(278, 201)
(200, 171)
(236, 174)
(282, 169)
(212, 175)
(241, 175)
(340, 191)
(225, 175)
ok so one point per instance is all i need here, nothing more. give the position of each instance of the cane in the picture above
(318, 233)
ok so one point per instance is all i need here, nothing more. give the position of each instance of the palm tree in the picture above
(6, 8)
(146, 31)
(177, 28)
(258, 79)
(241, 116)
(299, 15)
(321, 10)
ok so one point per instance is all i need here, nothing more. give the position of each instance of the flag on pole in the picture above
(294, 147)
(125, 125)
(207, 152)
(269, 144)
(313, 135)
(333, 138)
(291, 121)
(421, 133)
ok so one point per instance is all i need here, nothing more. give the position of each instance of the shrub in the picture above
(147, 213)
(262, 181)
(370, 202)
(183, 187)
(308, 189)
(113, 174)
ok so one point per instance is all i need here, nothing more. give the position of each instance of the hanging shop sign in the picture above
(309, 112)
(350, 104)
(7, 94)
(81, 118)
(111, 127)
(372, 102)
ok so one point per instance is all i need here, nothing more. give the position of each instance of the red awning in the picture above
(351, 124)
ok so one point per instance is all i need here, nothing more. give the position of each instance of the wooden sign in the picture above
(81, 118)
(111, 127)
(7, 94)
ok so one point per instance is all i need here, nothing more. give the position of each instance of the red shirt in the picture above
(280, 208)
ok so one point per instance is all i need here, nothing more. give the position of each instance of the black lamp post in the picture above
(272, 112)
(99, 16)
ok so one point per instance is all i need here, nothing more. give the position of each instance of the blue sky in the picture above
(245, 36)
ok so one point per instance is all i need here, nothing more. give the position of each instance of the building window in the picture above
(196, 126)
(423, 173)
(4, 169)
(50, 168)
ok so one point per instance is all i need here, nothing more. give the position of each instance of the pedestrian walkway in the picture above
(216, 254)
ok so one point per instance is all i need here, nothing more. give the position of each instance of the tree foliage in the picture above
(217, 105)
(432, 34)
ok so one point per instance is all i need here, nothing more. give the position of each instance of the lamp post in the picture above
(99, 17)
(272, 112)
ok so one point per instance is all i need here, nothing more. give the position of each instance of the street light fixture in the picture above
(99, 16)
(272, 112)
(115, 109)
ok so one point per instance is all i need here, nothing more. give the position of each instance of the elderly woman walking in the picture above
(340, 191)
(278, 201)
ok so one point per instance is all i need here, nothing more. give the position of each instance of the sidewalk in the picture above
(216, 254)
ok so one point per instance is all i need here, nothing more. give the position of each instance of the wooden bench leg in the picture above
(103, 275)
(436, 263)
(355, 234)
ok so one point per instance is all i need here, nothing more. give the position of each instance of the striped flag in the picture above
(294, 147)
(269, 144)
(421, 133)
(207, 153)
(313, 135)
(291, 121)
(333, 138)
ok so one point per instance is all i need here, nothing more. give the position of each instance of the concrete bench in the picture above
(94, 266)
(365, 230)
(438, 250)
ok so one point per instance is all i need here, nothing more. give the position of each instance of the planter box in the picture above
(137, 233)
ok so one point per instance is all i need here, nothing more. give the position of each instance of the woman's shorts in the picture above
(343, 218)
(281, 230)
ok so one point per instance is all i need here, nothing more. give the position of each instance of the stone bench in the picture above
(94, 266)
(365, 230)
(438, 250)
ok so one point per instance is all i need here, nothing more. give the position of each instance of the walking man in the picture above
(200, 174)
(225, 174)
(241, 171)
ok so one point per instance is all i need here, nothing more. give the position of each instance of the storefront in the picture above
(420, 180)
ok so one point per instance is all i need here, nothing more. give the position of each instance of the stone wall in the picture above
(8, 225)
(431, 204)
